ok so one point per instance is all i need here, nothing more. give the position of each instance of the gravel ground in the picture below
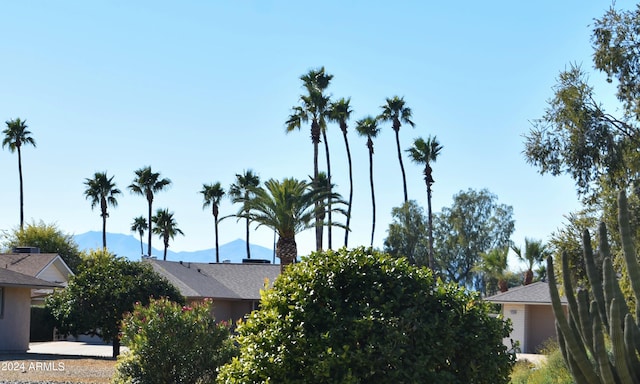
(35, 368)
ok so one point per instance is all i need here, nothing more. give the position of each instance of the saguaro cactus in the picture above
(601, 314)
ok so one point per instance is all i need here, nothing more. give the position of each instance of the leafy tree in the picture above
(15, 135)
(473, 225)
(166, 227)
(102, 291)
(406, 234)
(101, 190)
(212, 194)
(369, 127)
(340, 112)
(359, 316)
(535, 252)
(140, 225)
(242, 189)
(425, 152)
(396, 112)
(288, 207)
(314, 106)
(147, 184)
(49, 238)
(170, 343)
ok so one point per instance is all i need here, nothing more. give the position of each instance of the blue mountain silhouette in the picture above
(129, 246)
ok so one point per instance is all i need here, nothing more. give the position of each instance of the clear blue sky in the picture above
(200, 90)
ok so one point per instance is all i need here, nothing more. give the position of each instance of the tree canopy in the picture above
(407, 234)
(104, 288)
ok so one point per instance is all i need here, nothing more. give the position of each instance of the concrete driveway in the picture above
(73, 348)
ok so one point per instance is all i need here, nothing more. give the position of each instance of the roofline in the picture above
(524, 302)
(31, 286)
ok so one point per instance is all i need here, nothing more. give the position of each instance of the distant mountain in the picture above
(129, 246)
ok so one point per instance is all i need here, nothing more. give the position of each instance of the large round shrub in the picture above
(357, 316)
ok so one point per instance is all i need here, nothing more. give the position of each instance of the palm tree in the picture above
(212, 194)
(494, 264)
(166, 227)
(15, 135)
(140, 225)
(313, 107)
(425, 152)
(101, 190)
(242, 189)
(147, 183)
(340, 112)
(535, 251)
(369, 127)
(287, 207)
(396, 113)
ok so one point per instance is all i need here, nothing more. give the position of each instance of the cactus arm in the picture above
(574, 312)
(574, 352)
(593, 273)
(630, 346)
(586, 327)
(617, 343)
(628, 248)
(600, 351)
(612, 288)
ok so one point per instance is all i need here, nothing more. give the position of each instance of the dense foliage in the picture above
(407, 234)
(49, 238)
(171, 343)
(359, 316)
(104, 288)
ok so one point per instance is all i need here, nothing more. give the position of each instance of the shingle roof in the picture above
(28, 263)
(9, 278)
(220, 281)
(536, 293)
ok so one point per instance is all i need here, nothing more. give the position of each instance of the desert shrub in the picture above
(553, 370)
(359, 316)
(171, 343)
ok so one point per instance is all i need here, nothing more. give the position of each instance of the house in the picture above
(234, 288)
(529, 308)
(45, 266)
(15, 308)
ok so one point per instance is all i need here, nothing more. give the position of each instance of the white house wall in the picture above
(517, 314)
(14, 324)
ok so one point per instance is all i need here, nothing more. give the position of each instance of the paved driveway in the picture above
(75, 348)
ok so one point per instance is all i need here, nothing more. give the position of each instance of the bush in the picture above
(170, 343)
(42, 324)
(552, 371)
(359, 316)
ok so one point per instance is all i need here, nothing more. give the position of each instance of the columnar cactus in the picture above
(601, 314)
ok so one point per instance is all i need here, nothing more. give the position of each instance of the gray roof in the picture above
(28, 263)
(9, 278)
(535, 293)
(217, 281)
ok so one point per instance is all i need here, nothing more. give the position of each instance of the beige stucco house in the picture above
(15, 308)
(234, 287)
(531, 314)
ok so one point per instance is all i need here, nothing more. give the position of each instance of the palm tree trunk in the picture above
(346, 231)
(21, 191)
(373, 196)
(315, 138)
(141, 248)
(216, 230)
(115, 347)
(104, 231)
(166, 245)
(248, 247)
(404, 178)
(287, 251)
(329, 222)
(430, 217)
(150, 230)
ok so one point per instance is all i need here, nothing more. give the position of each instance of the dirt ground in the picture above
(55, 368)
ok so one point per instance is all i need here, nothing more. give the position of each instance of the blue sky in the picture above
(200, 91)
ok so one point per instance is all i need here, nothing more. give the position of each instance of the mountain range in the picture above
(129, 246)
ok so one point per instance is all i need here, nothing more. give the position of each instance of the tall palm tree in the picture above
(147, 183)
(396, 112)
(242, 190)
(314, 105)
(288, 207)
(101, 190)
(166, 228)
(340, 112)
(15, 135)
(140, 225)
(212, 194)
(535, 251)
(369, 127)
(425, 152)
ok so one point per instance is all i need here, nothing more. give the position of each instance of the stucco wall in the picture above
(14, 324)
(542, 326)
(516, 312)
